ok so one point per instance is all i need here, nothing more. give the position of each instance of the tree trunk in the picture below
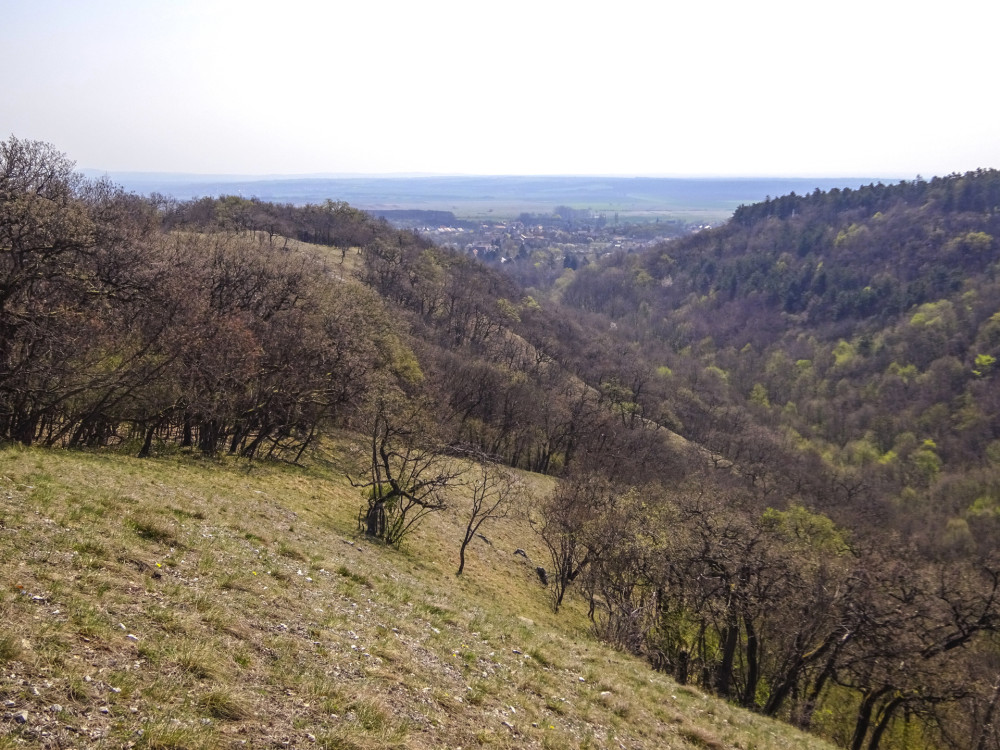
(724, 672)
(885, 717)
(864, 720)
(375, 519)
(753, 666)
(147, 444)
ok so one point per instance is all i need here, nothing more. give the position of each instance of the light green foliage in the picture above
(854, 234)
(758, 395)
(984, 365)
(940, 313)
(713, 372)
(843, 353)
(508, 310)
(641, 278)
(971, 242)
(985, 505)
(888, 457)
(926, 461)
(862, 452)
(807, 530)
(906, 373)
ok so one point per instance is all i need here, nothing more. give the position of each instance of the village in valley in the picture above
(564, 238)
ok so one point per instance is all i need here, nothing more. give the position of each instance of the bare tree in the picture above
(570, 528)
(409, 475)
(495, 492)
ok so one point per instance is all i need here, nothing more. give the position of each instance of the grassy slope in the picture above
(185, 603)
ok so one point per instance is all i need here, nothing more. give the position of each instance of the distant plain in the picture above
(687, 199)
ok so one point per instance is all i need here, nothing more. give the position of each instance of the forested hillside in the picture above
(838, 350)
(776, 443)
(862, 326)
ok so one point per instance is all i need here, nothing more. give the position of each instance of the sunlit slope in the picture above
(184, 603)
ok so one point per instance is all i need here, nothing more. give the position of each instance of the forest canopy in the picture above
(776, 443)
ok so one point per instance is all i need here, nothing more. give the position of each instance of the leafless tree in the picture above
(495, 492)
(408, 474)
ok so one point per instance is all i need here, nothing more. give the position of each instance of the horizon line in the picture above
(235, 177)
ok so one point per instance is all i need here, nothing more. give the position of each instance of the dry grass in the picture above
(185, 603)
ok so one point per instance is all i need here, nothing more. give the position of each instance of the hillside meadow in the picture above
(183, 602)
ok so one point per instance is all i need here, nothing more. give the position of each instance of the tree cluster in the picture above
(782, 611)
(114, 330)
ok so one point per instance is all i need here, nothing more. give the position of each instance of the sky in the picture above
(671, 87)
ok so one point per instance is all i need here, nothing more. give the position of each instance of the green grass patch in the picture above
(10, 649)
(359, 579)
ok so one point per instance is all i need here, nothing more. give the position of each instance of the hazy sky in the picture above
(692, 87)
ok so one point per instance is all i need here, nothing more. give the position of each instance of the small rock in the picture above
(104, 710)
(21, 717)
(56, 708)
(508, 725)
(521, 552)
(132, 637)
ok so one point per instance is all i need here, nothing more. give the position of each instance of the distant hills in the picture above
(713, 198)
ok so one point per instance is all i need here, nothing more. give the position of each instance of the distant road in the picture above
(502, 195)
